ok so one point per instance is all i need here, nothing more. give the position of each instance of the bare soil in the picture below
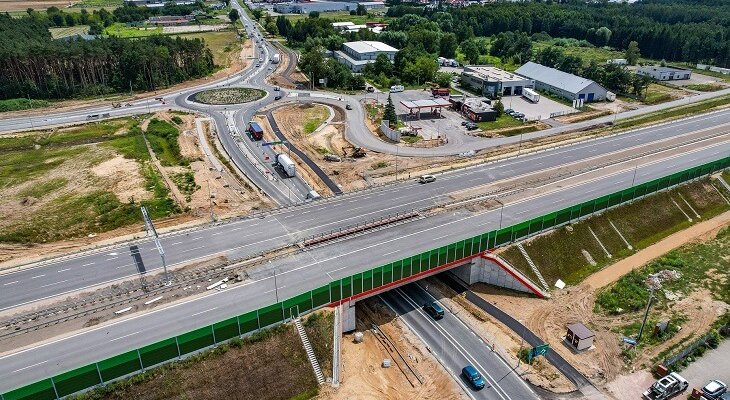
(363, 376)
(13, 5)
(605, 363)
(228, 195)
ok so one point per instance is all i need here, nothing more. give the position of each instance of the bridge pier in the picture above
(347, 315)
(493, 270)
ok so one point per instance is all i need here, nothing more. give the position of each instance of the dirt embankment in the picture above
(605, 362)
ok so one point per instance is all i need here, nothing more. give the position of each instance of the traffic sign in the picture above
(540, 350)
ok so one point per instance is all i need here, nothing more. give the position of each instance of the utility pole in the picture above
(210, 203)
(646, 313)
(151, 231)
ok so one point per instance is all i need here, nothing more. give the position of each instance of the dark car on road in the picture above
(348, 107)
(278, 97)
(434, 310)
(473, 377)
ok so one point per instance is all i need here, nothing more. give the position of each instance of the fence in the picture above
(392, 134)
(137, 360)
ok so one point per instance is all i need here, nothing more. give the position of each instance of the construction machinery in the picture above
(355, 152)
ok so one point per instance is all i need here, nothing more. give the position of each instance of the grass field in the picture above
(559, 254)
(121, 30)
(50, 192)
(656, 94)
(705, 87)
(700, 266)
(313, 117)
(98, 3)
(674, 112)
(268, 365)
(21, 104)
(57, 33)
(223, 44)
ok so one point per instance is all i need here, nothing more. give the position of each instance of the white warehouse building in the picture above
(569, 86)
(358, 54)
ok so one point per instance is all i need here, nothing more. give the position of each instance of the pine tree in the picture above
(389, 113)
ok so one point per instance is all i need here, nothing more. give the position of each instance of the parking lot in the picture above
(534, 111)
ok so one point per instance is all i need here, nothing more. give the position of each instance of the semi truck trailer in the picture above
(286, 164)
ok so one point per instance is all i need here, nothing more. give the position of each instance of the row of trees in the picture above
(685, 30)
(35, 65)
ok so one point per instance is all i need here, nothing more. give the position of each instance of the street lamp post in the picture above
(519, 149)
(522, 342)
(633, 180)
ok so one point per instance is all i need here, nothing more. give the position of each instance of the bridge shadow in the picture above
(138, 263)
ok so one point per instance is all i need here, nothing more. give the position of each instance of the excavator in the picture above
(356, 152)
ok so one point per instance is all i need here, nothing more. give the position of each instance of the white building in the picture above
(358, 54)
(664, 73)
(569, 86)
(494, 82)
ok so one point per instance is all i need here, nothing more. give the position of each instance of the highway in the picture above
(250, 237)
(456, 345)
(318, 266)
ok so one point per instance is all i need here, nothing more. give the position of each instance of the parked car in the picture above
(714, 389)
(426, 178)
(473, 377)
(348, 107)
(518, 115)
(370, 89)
(666, 387)
(471, 126)
(463, 123)
(509, 111)
(434, 310)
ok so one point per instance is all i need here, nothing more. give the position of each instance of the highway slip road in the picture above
(456, 346)
(318, 266)
(250, 237)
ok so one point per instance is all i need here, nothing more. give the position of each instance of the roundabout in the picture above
(228, 96)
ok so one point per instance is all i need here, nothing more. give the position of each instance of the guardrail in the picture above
(338, 291)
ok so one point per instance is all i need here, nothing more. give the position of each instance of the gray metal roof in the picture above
(581, 331)
(553, 77)
(367, 46)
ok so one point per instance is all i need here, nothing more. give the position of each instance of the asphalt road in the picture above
(250, 237)
(456, 345)
(311, 269)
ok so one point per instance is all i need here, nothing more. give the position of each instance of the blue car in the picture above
(473, 377)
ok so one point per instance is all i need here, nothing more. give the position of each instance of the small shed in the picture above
(579, 336)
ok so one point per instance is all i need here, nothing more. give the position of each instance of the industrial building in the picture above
(494, 82)
(664, 73)
(563, 84)
(355, 55)
(158, 3)
(323, 6)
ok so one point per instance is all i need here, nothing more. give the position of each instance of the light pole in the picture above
(522, 342)
(501, 212)
(519, 149)
(646, 313)
(636, 168)
(276, 286)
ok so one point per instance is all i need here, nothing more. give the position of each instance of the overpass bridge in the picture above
(327, 275)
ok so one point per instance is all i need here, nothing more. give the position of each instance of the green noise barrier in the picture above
(138, 360)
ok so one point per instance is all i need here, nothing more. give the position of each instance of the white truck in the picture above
(531, 95)
(666, 387)
(286, 164)
(275, 58)
(397, 88)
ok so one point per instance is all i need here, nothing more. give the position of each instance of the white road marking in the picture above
(86, 265)
(392, 252)
(176, 243)
(203, 312)
(113, 258)
(38, 276)
(10, 283)
(31, 366)
(55, 283)
(194, 248)
(125, 336)
(64, 270)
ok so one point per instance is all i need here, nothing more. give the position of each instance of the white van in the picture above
(397, 88)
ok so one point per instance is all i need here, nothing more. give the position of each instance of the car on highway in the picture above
(714, 389)
(473, 377)
(426, 178)
(348, 107)
(434, 310)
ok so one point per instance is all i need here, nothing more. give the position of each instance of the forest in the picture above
(32, 65)
(683, 30)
